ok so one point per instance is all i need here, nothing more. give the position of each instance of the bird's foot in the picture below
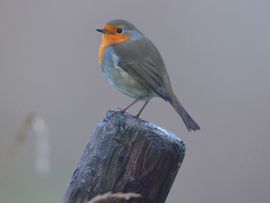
(137, 115)
(118, 110)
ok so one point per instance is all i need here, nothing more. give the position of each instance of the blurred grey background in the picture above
(216, 52)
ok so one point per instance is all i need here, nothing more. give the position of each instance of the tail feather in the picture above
(187, 119)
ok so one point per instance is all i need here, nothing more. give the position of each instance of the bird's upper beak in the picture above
(104, 31)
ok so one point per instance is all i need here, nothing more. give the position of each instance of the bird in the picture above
(133, 65)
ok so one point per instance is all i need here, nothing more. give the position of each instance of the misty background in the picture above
(218, 58)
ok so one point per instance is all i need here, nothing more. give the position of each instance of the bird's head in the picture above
(118, 31)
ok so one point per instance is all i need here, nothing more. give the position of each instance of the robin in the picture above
(133, 65)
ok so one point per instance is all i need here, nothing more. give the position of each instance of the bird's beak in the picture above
(103, 31)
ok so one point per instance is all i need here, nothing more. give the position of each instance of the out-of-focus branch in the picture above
(35, 123)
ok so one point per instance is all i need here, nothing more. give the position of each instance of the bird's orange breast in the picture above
(110, 39)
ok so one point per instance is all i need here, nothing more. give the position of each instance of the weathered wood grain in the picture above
(126, 154)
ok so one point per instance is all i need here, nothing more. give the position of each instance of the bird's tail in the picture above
(189, 122)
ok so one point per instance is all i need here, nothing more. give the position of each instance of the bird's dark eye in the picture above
(119, 30)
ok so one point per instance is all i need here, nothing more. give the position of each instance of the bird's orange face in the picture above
(112, 34)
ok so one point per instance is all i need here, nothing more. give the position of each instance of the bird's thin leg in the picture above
(124, 110)
(137, 116)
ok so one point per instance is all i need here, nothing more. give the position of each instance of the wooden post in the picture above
(126, 154)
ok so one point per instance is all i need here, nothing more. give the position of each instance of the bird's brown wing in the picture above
(142, 61)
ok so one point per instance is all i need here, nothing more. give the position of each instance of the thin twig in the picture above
(118, 195)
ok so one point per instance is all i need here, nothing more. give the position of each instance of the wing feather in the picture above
(142, 61)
